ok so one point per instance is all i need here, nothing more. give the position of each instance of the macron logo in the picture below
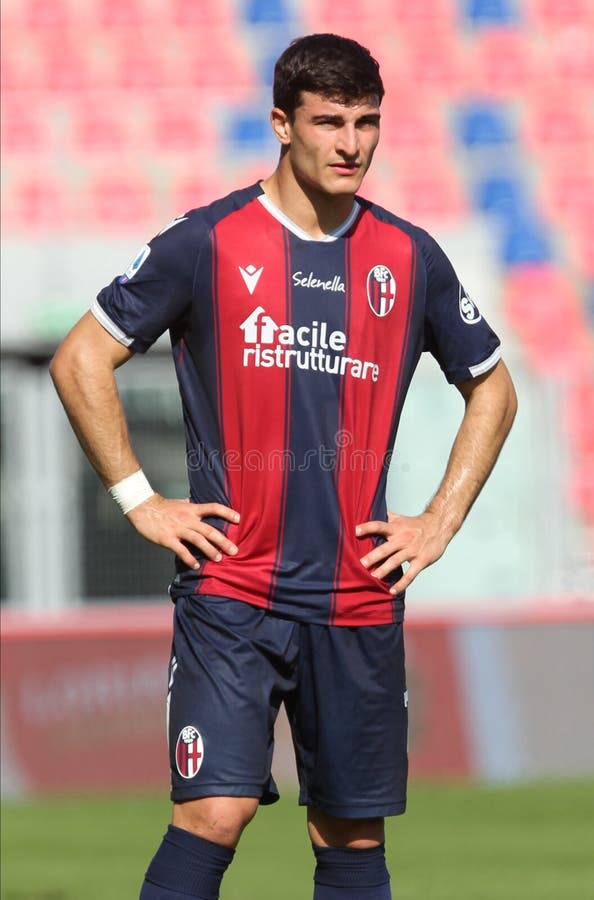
(251, 276)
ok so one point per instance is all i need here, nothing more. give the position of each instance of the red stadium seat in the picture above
(571, 55)
(557, 121)
(567, 189)
(37, 204)
(119, 202)
(436, 61)
(99, 128)
(327, 15)
(190, 191)
(431, 191)
(26, 127)
(136, 61)
(190, 14)
(113, 14)
(545, 310)
(412, 127)
(424, 12)
(505, 61)
(41, 14)
(218, 62)
(64, 64)
(556, 13)
(179, 126)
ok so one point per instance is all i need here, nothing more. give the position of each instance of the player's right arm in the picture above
(83, 371)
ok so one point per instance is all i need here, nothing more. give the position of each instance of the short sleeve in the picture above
(155, 292)
(456, 333)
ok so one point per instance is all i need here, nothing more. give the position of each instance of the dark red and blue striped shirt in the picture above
(294, 357)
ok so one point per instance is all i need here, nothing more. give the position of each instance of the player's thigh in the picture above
(349, 721)
(225, 687)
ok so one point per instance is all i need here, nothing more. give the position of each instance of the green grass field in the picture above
(534, 841)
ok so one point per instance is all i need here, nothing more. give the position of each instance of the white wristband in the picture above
(131, 491)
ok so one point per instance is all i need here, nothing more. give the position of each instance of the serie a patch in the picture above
(189, 751)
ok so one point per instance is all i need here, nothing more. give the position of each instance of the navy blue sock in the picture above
(185, 866)
(343, 873)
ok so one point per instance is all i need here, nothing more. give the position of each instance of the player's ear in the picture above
(281, 126)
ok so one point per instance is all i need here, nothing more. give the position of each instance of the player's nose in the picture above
(348, 141)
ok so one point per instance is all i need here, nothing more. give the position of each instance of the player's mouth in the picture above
(346, 168)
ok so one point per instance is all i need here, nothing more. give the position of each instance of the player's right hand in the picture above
(170, 523)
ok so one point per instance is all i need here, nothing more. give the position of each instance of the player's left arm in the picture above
(490, 407)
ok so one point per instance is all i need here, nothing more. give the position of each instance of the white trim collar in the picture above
(300, 232)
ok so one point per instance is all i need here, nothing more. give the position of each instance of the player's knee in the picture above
(354, 834)
(217, 819)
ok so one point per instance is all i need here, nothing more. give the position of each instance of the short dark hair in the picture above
(336, 67)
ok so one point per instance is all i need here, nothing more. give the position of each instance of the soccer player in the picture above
(297, 313)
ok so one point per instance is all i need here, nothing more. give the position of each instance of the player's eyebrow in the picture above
(369, 118)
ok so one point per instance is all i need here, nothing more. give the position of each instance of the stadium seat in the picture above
(435, 60)
(40, 14)
(216, 61)
(114, 14)
(567, 189)
(99, 128)
(249, 132)
(412, 127)
(491, 12)
(37, 204)
(137, 63)
(423, 12)
(119, 202)
(556, 122)
(190, 14)
(179, 126)
(502, 195)
(544, 309)
(484, 124)
(556, 13)
(431, 192)
(505, 62)
(525, 241)
(571, 57)
(351, 19)
(191, 191)
(26, 128)
(267, 12)
(64, 64)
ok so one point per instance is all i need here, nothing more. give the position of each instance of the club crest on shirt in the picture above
(381, 290)
(189, 751)
(469, 312)
(140, 258)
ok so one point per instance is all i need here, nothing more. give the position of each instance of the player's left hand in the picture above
(416, 540)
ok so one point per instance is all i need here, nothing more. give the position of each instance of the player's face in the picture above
(330, 145)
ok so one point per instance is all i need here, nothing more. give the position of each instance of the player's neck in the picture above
(316, 213)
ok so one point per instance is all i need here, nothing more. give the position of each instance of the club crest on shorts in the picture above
(469, 312)
(381, 290)
(189, 752)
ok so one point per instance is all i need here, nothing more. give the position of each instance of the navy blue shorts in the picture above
(233, 665)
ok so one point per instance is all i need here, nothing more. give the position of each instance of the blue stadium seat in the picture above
(250, 132)
(267, 12)
(484, 124)
(501, 195)
(491, 12)
(526, 242)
